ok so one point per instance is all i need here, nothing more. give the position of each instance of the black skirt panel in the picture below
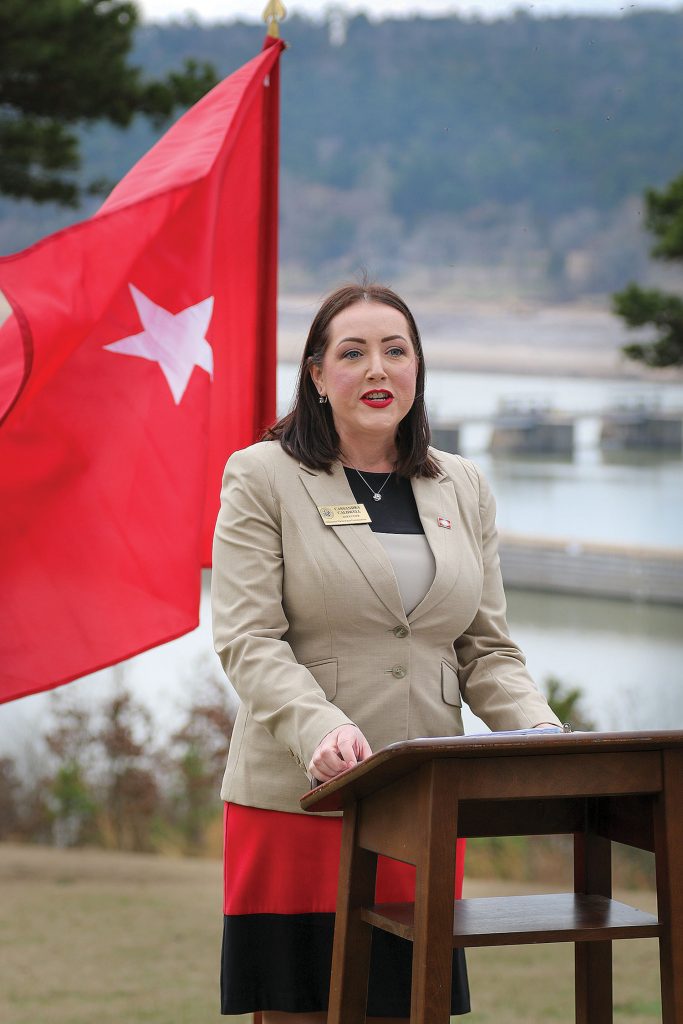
(283, 962)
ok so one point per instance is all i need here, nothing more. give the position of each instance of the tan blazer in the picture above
(311, 631)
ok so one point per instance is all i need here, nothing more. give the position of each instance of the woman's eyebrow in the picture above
(362, 341)
(358, 341)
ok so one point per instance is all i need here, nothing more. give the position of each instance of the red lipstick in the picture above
(377, 403)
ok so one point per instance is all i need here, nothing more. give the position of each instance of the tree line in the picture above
(559, 112)
(523, 143)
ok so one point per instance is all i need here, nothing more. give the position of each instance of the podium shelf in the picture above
(506, 920)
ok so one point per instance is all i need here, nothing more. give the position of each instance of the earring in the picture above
(322, 399)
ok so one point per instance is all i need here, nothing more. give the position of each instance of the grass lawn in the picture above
(91, 936)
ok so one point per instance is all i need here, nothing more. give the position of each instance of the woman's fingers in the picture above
(348, 750)
(326, 761)
(340, 749)
(365, 749)
(330, 759)
(353, 745)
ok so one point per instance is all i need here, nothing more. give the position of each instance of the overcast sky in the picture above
(212, 10)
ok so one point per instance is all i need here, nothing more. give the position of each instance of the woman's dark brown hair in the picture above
(308, 433)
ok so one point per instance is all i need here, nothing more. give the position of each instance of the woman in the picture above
(357, 599)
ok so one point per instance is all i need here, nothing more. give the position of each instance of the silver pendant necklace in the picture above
(376, 494)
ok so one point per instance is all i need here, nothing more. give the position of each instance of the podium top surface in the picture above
(398, 759)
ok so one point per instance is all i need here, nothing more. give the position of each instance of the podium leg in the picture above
(668, 823)
(352, 936)
(433, 922)
(593, 960)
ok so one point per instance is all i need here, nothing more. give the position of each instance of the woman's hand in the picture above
(339, 750)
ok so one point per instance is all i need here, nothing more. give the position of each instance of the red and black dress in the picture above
(280, 869)
(280, 890)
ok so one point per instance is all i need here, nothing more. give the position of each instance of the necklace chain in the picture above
(377, 494)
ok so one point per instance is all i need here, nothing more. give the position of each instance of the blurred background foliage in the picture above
(100, 775)
(64, 63)
(649, 306)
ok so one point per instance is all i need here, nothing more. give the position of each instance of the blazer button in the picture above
(399, 672)
(400, 632)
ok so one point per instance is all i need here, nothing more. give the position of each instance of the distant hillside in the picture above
(512, 151)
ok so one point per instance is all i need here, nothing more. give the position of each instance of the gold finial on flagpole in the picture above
(273, 13)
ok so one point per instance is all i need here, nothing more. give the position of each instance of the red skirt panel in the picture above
(280, 863)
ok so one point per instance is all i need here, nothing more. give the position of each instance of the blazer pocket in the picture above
(325, 675)
(450, 686)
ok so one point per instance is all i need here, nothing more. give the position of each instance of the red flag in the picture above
(140, 354)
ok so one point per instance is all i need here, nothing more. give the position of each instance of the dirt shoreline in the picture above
(576, 340)
(513, 360)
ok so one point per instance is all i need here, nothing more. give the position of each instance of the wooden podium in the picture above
(411, 800)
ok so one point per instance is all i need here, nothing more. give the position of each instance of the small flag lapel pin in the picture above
(443, 521)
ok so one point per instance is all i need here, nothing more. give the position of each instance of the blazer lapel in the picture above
(436, 499)
(358, 539)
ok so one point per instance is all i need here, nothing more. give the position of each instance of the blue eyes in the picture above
(352, 353)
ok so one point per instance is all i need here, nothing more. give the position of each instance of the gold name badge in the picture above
(343, 515)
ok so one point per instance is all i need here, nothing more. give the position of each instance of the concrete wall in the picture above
(637, 574)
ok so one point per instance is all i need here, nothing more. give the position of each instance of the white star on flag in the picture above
(176, 341)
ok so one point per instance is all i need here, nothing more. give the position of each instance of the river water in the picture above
(626, 657)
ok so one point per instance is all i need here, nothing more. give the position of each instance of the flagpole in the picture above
(273, 13)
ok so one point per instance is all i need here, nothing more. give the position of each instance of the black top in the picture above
(396, 512)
